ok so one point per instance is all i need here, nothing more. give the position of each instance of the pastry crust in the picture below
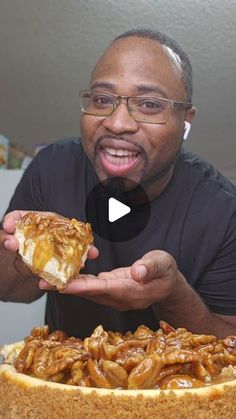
(22, 396)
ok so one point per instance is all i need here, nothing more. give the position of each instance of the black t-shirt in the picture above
(194, 220)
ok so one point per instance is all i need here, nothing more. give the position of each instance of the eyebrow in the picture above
(142, 88)
(102, 84)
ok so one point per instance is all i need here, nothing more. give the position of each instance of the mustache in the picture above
(119, 138)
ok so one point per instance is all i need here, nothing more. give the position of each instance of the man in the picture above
(182, 267)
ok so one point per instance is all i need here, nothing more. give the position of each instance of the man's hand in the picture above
(148, 280)
(17, 283)
(7, 238)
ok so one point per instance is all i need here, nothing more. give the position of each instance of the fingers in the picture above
(144, 271)
(153, 265)
(93, 252)
(10, 243)
(139, 271)
(44, 285)
(9, 224)
(85, 285)
(10, 220)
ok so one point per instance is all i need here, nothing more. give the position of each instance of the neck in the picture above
(155, 185)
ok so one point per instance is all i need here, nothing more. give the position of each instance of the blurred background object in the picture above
(17, 157)
(13, 156)
(4, 146)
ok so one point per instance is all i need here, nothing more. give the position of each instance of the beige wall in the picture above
(48, 47)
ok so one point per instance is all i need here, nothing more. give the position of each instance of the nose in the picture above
(120, 120)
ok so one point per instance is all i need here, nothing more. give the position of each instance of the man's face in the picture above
(117, 145)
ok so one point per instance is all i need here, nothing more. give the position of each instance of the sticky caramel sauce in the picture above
(56, 237)
(112, 360)
(44, 251)
(186, 381)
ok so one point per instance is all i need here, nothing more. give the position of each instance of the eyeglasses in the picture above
(151, 110)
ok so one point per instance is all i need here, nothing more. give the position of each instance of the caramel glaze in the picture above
(56, 236)
(132, 361)
(178, 381)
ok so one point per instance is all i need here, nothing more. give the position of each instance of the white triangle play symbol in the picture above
(116, 209)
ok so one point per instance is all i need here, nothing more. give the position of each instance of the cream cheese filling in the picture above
(59, 269)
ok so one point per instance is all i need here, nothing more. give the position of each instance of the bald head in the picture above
(146, 64)
(172, 48)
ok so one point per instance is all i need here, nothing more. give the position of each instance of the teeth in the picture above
(120, 152)
(119, 156)
(118, 160)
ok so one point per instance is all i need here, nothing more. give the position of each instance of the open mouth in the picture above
(118, 161)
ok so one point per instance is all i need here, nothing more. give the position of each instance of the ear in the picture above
(187, 123)
(190, 114)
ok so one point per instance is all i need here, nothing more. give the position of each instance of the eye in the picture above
(148, 105)
(100, 100)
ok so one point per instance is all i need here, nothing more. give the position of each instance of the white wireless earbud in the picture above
(187, 127)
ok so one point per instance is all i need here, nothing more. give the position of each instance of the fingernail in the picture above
(142, 272)
(7, 245)
(5, 225)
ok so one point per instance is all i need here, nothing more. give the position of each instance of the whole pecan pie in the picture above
(166, 373)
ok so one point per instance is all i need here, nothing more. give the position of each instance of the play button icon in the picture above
(117, 213)
(116, 210)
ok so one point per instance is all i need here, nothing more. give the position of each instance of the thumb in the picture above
(153, 265)
(144, 270)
